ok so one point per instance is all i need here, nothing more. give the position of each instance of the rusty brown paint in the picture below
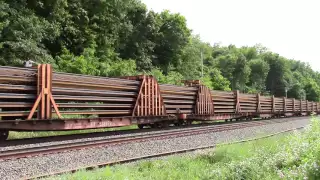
(238, 107)
(154, 99)
(44, 99)
(258, 103)
(139, 100)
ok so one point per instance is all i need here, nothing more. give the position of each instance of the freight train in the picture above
(38, 99)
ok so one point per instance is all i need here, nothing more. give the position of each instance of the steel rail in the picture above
(167, 153)
(66, 91)
(61, 75)
(93, 98)
(17, 87)
(183, 88)
(55, 138)
(102, 112)
(17, 79)
(87, 105)
(21, 153)
(193, 97)
(15, 104)
(17, 96)
(64, 83)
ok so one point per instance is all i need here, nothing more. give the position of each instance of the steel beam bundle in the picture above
(93, 96)
(224, 102)
(18, 91)
(179, 100)
(40, 99)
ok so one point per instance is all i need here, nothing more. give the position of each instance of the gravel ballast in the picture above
(95, 136)
(26, 167)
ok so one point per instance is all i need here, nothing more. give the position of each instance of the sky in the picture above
(290, 28)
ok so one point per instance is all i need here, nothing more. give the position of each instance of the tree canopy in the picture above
(122, 37)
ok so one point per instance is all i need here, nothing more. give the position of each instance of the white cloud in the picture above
(288, 27)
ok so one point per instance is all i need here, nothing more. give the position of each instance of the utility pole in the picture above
(286, 92)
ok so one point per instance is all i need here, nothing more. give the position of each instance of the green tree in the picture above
(86, 63)
(214, 80)
(297, 91)
(172, 37)
(276, 80)
(259, 73)
(241, 73)
(22, 33)
(234, 67)
(140, 44)
(190, 64)
(312, 91)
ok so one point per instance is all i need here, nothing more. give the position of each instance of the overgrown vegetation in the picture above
(292, 156)
(121, 37)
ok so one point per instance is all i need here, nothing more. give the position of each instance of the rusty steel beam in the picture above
(170, 106)
(181, 111)
(102, 112)
(17, 79)
(87, 78)
(193, 97)
(17, 87)
(14, 113)
(177, 101)
(93, 85)
(17, 96)
(15, 104)
(178, 88)
(93, 98)
(87, 105)
(14, 71)
(177, 92)
(72, 91)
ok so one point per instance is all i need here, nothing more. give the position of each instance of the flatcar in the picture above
(38, 99)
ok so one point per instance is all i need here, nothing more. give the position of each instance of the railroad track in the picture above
(57, 138)
(167, 153)
(35, 151)
(44, 139)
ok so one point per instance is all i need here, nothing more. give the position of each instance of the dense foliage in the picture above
(121, 37)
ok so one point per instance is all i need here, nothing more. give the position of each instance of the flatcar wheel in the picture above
(153, 125)
(140, 126)
(189, 123)
(164, 125)
(4, 135)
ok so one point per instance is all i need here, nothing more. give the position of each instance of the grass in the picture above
(287, 156)
(21, 135)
